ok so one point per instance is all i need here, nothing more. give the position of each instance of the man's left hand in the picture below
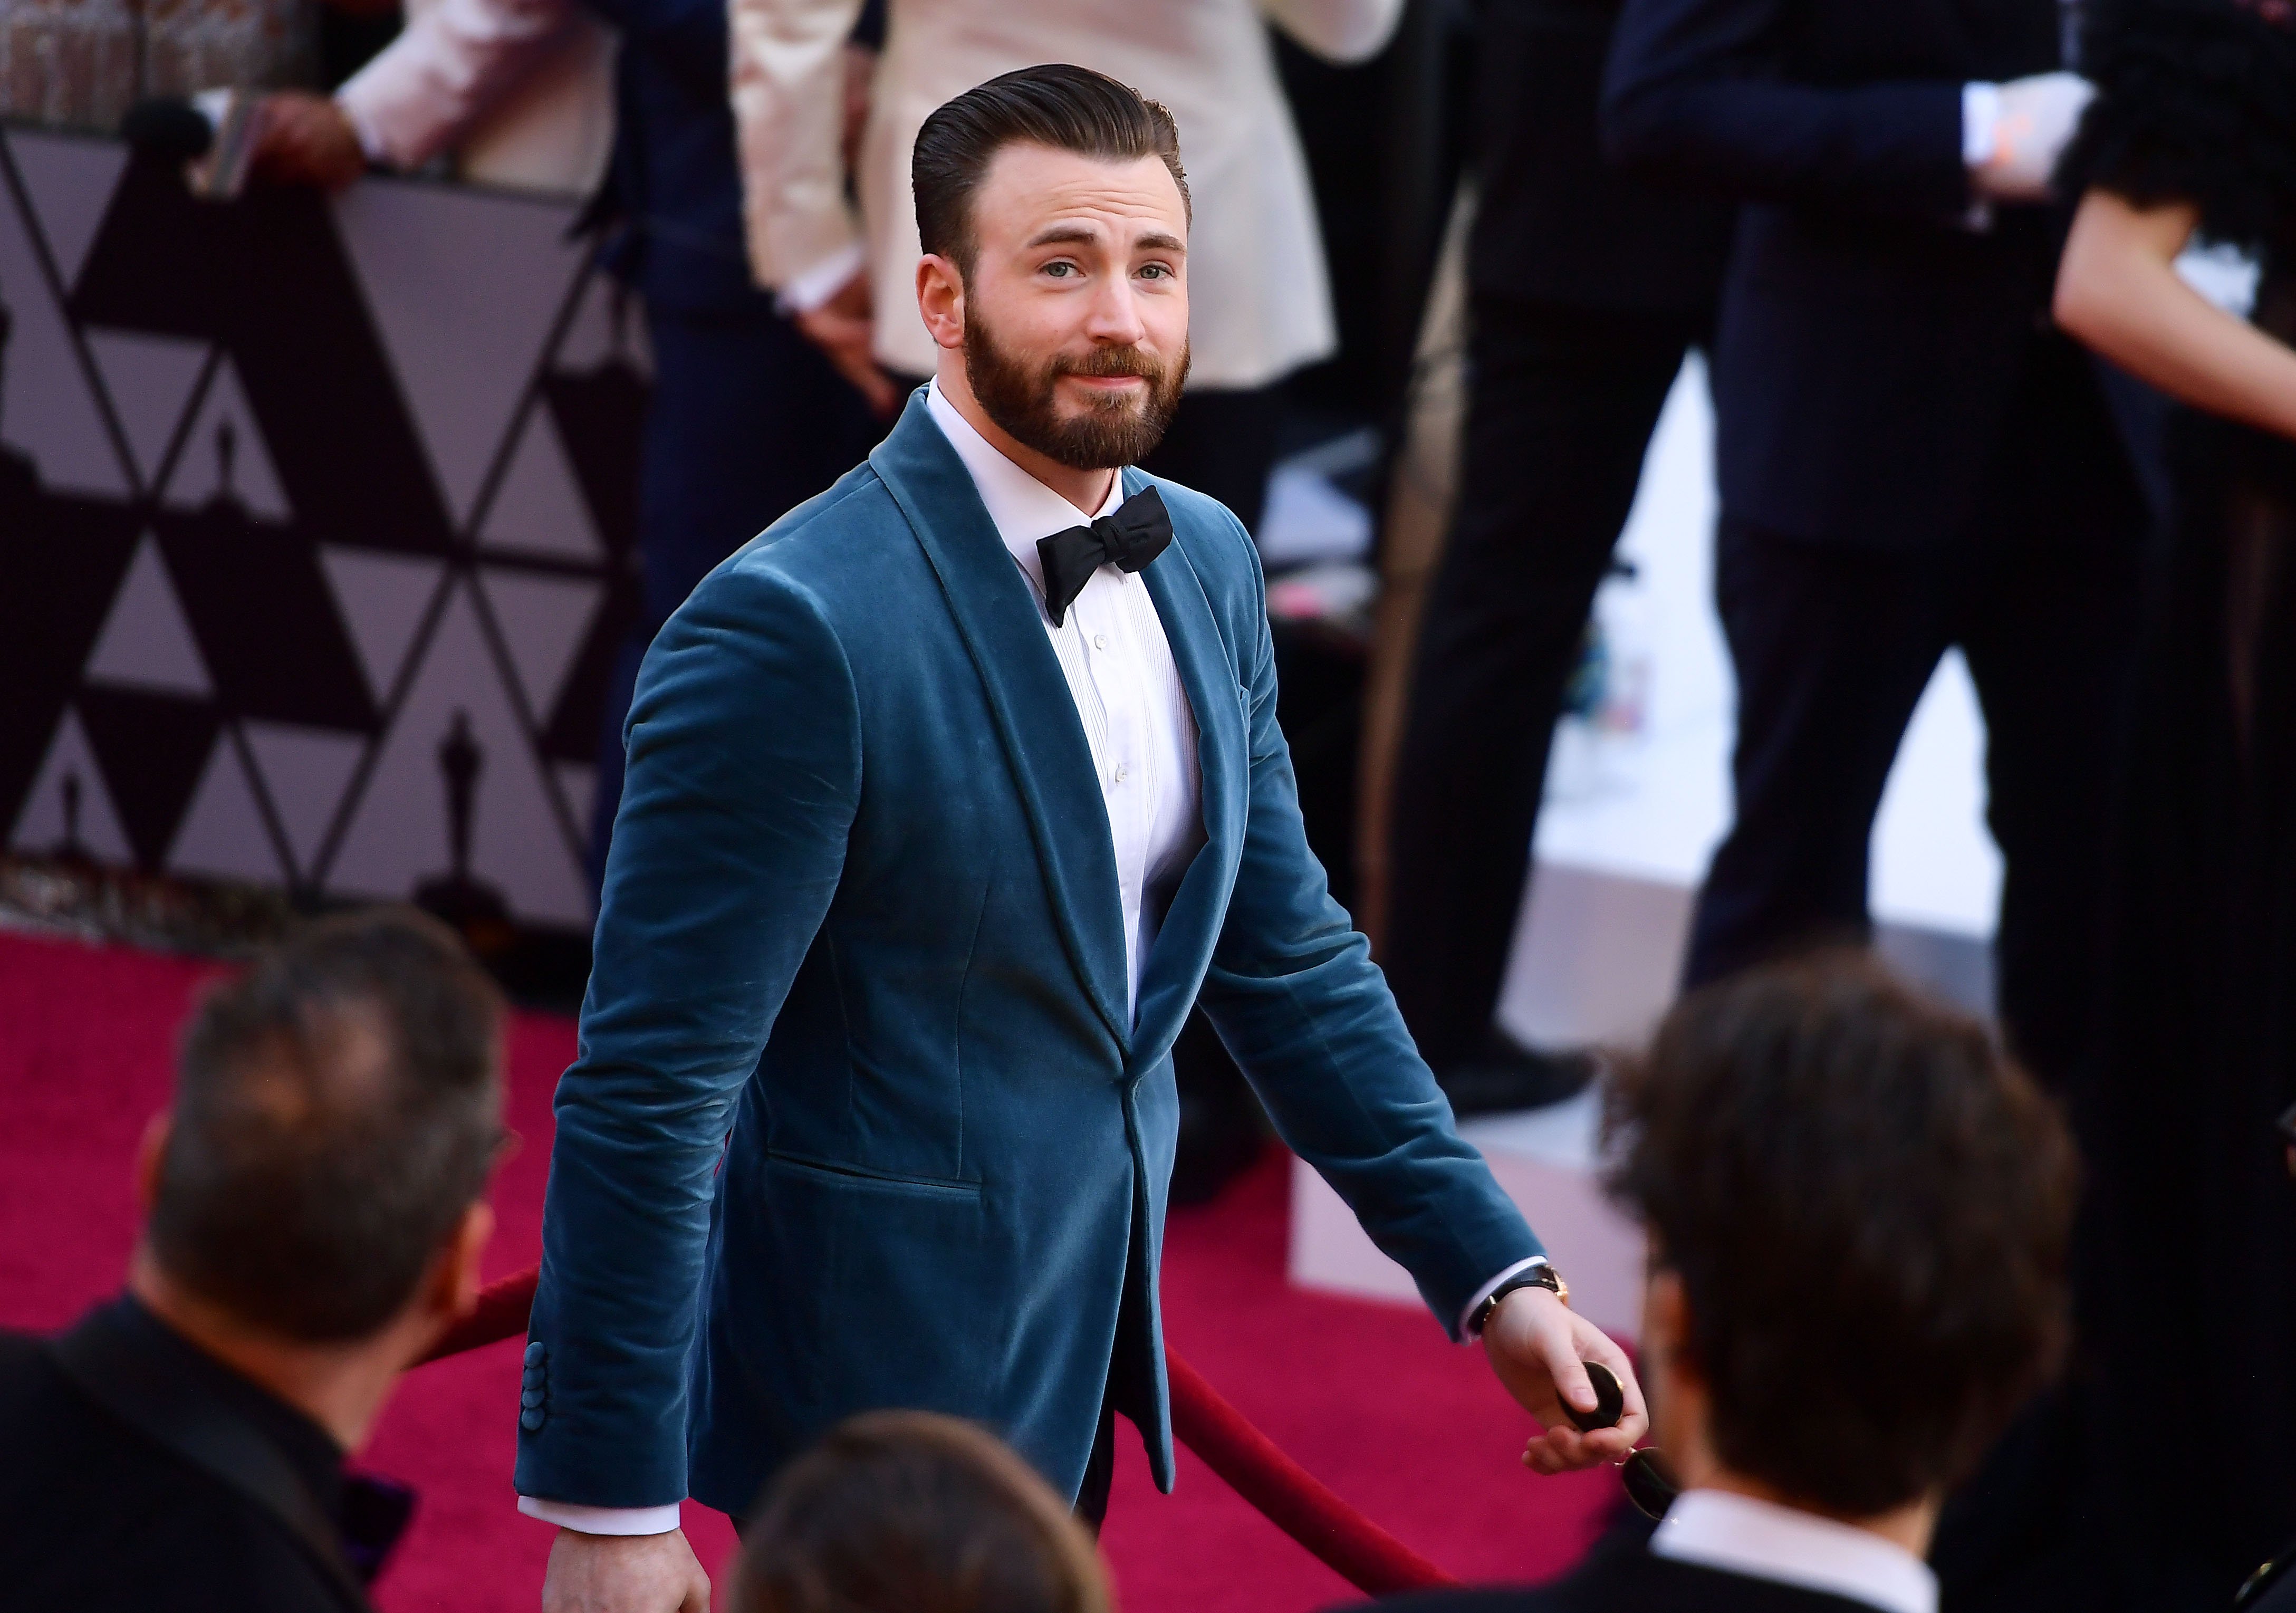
(1536, 1344)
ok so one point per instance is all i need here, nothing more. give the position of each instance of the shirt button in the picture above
(1100, 641)
(1123, 771)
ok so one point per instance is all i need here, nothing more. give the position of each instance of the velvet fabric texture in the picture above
(861, 942)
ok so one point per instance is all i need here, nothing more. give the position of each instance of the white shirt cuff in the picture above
(1467, 1314)
(1980, 121)
(808, 290)
(602, 1520)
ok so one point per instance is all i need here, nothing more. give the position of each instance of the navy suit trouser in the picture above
(747, 420)
(1833, 643)
(1561, 405)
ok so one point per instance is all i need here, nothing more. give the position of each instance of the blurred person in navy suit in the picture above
(1586, 285)
(1911, 456)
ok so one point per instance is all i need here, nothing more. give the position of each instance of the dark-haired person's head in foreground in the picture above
(915, 1512)
(314, 1218)
(1053, 214)
(1859, 1211)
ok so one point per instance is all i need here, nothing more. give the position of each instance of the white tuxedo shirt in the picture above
(1258, 299)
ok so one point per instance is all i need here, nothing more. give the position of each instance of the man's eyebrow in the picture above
(1088, 234)
(1058, 234)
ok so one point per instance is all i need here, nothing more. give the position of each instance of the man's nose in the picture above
(1115, 314)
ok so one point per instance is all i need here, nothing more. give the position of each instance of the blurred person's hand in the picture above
(2035, 121)
(845, 328)
(623, 1574)
(306, 139)
(1536, 1344)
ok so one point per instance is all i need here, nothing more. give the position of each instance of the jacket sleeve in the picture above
(1694, 93)
(1295, 996)
(452, 62)
(789, 105)
(743, 776)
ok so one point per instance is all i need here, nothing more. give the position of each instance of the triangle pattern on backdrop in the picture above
(47, 407)
(539, 507)
(224, 452)
(398, 835)
(307, 772)
(222, 835)
(384, 599)
(68, 806)
(462, 347)
(146, 641)
(150, 381)
(69, 182)
(543, 621)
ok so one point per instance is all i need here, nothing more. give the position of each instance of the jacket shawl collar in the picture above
(1207, 672)
(1036, 718)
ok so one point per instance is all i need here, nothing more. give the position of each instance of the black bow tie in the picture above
(1128, 539)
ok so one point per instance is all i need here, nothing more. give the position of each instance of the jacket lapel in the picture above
(1036, 719)
(1207, 672)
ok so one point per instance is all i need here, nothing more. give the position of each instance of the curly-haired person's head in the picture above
(1859, 1211)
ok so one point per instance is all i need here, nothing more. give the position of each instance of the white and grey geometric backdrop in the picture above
(304, 507)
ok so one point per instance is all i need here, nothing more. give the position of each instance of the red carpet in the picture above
(1369, 1397)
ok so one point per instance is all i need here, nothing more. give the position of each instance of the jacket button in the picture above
(531, 1418)
(534, 1353)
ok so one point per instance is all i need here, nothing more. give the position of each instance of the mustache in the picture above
(1104, 362)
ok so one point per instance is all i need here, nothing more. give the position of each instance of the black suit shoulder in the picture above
(95, 1517)
(1634, 1582)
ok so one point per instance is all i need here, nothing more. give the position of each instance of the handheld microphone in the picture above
(212, 134)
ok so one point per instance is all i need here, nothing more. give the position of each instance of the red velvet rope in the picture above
(1292, 1498)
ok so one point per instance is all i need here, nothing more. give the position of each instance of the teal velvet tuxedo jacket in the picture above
(858, 1119)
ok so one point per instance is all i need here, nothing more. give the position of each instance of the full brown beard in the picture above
(1120, 430)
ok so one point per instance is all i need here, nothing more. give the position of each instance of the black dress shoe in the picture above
(1506, 1076)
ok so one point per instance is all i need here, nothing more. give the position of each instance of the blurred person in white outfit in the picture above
(517, 94)
(1262, 306)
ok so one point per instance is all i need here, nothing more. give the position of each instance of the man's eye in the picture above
(1156, 271)
(1061, 270)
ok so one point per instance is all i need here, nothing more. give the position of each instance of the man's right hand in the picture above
(844, 328)
(623, 1574)
(306, 139)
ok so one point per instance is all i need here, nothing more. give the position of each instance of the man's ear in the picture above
(1666, 1317)
(150, 1155)
(940, 299)
(453, 1286)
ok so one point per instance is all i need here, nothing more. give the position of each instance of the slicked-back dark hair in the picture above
(915, 1512)
(1069, 109)
(338, 1108)
(1869, 1208)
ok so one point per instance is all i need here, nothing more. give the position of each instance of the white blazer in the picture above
(521, 90)
(1259, 301)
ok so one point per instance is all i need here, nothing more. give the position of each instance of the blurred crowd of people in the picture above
(1964, 400)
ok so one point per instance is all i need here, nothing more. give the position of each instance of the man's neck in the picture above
(342, 1387)
(1088, 490)
(1908, 1527)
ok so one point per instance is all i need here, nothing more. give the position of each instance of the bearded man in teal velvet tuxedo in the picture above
(947, 797)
